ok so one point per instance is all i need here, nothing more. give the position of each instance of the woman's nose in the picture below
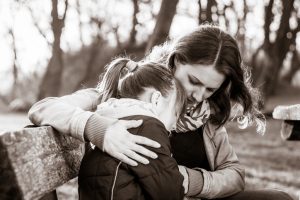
(198, 94)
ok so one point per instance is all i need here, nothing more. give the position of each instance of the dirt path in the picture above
(12, 121)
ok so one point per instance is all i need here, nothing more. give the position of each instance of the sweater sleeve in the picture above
(70, 114)
(160, 179)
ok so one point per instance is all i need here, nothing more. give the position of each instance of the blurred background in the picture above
(55, 47)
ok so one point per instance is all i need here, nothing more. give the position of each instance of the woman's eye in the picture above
(193, 81)
(210, 89)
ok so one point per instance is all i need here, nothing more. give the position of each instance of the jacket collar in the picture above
(124, 107)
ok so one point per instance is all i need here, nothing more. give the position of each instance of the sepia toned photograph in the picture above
(150, 99)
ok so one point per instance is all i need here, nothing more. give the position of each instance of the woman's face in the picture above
(199, 81)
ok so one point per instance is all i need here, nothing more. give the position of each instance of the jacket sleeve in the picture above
(160, 179)
(68, 114)
(227, 177)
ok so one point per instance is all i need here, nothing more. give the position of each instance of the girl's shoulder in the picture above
(148, 121)
(151, 128)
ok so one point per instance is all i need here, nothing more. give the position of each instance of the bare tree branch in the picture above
(132, 38)
(268, 20)
(78, 9)
(115, 31)
(65, 11)
(15, 69)
(35, 23)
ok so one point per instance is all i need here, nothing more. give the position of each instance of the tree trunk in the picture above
(277, 50)
(268, 19)
(240, 35)
(205, 15)
(51, 82)
(96, 46)
(163, 24)
(280, 47)
(15, 68)
(132, 38)
(295, 66)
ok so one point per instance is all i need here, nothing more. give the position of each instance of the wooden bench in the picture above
(290, 129)
(35, 161)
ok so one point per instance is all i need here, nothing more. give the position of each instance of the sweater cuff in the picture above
(196, 182)
(95, 129)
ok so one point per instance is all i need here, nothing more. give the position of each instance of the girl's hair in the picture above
(125, 78)
(208, 45)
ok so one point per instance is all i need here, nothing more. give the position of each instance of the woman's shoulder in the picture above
(91, 96)
(213, 130)
(88, 91)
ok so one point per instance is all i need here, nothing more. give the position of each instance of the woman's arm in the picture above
(227, 177)
(69, 114)
(72, 115)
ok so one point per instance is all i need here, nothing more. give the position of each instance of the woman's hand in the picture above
(121, 144)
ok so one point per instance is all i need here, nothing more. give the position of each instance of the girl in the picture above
(207, 62)
(145, 91)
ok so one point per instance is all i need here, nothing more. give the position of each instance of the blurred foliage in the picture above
(131, 27)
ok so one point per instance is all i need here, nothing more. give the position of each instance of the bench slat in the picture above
(291, 112)
(290, 128)
(35, 161)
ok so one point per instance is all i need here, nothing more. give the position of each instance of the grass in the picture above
(270, 162)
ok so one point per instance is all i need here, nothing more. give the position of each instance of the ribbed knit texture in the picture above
(95, 129)
(196, 182)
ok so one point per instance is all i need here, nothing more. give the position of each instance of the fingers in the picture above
(137, 157)
(143, 151)
(145, 141)
(124, 146)
(125, 159)
(131, 123)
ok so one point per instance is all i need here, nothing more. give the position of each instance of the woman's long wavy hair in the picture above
(209, 45)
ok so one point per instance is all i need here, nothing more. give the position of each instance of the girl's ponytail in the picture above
(115, 73)
(108, 87)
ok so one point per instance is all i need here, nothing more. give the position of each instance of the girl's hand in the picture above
(124, 146)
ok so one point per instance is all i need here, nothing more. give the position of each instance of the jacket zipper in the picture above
(115, 179)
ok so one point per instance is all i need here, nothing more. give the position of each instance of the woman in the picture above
(208, 64)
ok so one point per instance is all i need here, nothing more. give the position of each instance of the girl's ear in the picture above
(155, 98)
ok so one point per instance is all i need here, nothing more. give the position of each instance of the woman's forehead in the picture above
(206, 74)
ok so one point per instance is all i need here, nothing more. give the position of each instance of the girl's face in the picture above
(199, 81)
(168, 110)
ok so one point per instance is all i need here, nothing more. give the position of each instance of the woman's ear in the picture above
(155, 98)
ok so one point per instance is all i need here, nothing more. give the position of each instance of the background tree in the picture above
(270, 56)
(15, 70)
(105, 31)
(295, 65)
(205, 11)
(51, 82)
(163, 23)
